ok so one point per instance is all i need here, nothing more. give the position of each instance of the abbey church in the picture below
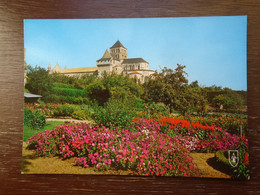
(116, 60)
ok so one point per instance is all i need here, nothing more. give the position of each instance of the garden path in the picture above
(69, 119)
(203, 160)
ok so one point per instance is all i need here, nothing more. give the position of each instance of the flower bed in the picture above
(232, 123)
(195, 136)
(158, 147)
(146, 150)
(46, 109)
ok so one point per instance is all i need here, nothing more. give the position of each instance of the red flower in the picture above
(246, 159)
(243, 138)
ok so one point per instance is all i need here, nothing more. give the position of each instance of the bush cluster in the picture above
(34, 119)
(81, 114)
(64, 110)
(63, 99)
(114, 113)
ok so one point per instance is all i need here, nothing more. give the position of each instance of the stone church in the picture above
(116, 60)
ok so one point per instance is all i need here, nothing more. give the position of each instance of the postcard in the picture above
(136, 96)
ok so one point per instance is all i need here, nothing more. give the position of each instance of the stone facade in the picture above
(116, 59)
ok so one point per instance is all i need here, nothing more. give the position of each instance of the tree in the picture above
(167, 87)
(96, 91)
(38, 80)
(114, 86)
(224, 100)
(194, 84)
(171, 87)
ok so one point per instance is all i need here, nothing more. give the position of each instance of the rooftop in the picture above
(134, 73)
(133, 60)
(78, 70)
(117, 44)
(30, 95)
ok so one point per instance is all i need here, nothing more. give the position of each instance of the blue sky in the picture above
(212, 48)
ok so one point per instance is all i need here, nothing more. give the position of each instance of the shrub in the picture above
(114, 113)
(68, 92)
(153, 110)
(63, 85)
(63, 110)
(34, 119)
(222, 156)
(97, 91)
(46, 109)
(81, 114)
(241, 171)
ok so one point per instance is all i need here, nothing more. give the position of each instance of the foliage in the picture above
(63, 110)
(171, 87)
(68, 92)
(223, 100)
(120, 86)
(114, 113)
(145, 151)
(216, 95)
(222, 156)
(81, 114)
(79, 82)
(34, 119)
(113, 86)
(63, 85)
(232, 123)
(97, 91)
(242, 170)
(46, 109)
(152, 110)
(38, 81)
(60, 78)
(63, 99)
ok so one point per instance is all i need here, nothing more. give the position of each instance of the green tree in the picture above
(96, 91)
(39, 81)
(114, 86)
(171, 87)
(224, 100)
(168, 87)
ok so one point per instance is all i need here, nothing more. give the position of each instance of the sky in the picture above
(213, 49)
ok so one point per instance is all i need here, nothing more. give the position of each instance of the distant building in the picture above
(114, 60)
(72, 71)
(31, 98)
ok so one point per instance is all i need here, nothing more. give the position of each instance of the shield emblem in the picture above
(233, 157)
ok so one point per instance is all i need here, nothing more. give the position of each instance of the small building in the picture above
(31, 98)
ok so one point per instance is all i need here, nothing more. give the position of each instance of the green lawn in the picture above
(27, 132)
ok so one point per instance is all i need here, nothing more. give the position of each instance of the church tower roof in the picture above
(106, 56)
(117, 44)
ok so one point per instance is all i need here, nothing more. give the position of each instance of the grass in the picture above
(27, 132)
